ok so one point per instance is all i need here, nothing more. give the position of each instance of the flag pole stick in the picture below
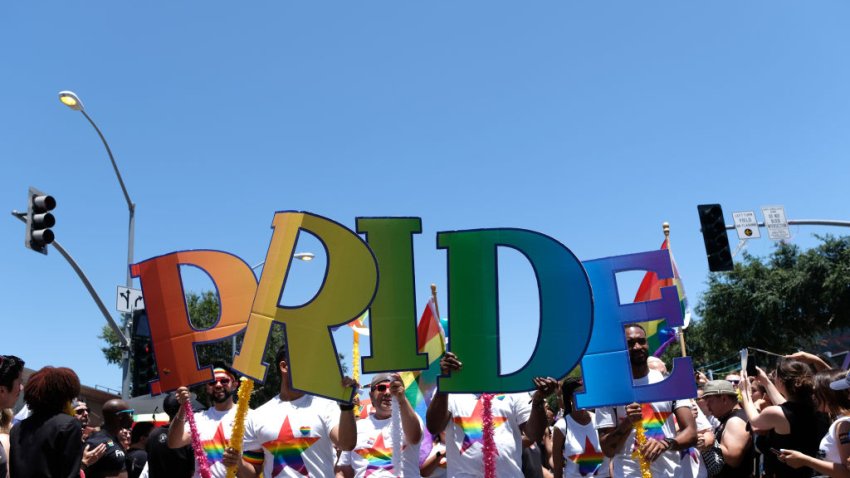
(434, 296)
(666, 228)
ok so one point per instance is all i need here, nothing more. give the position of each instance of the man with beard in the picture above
(214, 424)
(373, 454)
(658, 419)
(116, 416)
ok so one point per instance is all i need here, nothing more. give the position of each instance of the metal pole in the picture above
(806, 222)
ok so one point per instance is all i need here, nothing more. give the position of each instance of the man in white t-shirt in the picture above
(658, 419)
(375, 449)
(461, 416)
(214, 424)
(294, 434)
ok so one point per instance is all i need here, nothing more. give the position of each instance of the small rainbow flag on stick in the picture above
(660, 335)
(431, 339)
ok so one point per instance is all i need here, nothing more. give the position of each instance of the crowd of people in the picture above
(791, 422)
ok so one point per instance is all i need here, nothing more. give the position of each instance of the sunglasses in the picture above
(80, 411)
(639, 341)
(382, 387)
(131, 411)
(223, 381)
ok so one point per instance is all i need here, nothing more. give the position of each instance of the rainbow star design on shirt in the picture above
(286, 450)
(473, 425)
(214, 448)
(378, 457)
(589, 460)
(653, 422)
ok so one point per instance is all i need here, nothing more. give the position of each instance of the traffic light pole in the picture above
(806, 222)
(125, 342)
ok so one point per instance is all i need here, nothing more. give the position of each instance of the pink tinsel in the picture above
(200, 456)
(487, 431)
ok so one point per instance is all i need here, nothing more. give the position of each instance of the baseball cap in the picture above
(841, 383)
(718, 387)
(381, 377)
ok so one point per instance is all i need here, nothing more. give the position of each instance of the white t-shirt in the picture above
(294, 437)
(464, 437)
(658, 423)
(692, 463)
(214, 429)
(828, 450)
(373, 454)
(582, 451)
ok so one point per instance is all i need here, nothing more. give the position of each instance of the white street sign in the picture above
(775, 222)
(746, 224)
(129, 300)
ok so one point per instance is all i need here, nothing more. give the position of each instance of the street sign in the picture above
(129, 300)
(746, 224)
(775, 222)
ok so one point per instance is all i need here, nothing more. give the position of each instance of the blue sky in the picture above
(592, 122)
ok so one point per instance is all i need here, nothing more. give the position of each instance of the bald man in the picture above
(116, 416)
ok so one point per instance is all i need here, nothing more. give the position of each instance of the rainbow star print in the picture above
(214, 448)
(653, 422)
(379, 456)
(589, 460)
(286, 450)
(473, 425)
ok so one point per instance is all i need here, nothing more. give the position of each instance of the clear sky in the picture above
(590, 121)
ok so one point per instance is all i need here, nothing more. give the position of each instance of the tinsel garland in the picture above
(489, 442)
(200, 456)
(355, 365)
(640, 439)
(395, 435)
(238, 431)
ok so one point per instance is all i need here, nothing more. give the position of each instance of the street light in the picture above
(71, 100)
(301, 256)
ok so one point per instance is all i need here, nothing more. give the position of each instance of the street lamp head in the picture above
(304, 256)
(71, 100)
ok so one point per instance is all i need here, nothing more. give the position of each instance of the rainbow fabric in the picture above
(473, 425)
(658, 334)
(286, 450)
(430, 339)
(214, 448)
(378, 457)
(589, 460)
(653, 421)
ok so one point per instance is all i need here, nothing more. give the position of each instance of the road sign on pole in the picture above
(746, 224)
(776, 222)
(129, 300)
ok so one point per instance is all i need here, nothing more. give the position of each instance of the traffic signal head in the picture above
(39, 220)
(715, 238)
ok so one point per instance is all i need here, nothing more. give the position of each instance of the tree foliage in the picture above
(203, 312)
(781, 303)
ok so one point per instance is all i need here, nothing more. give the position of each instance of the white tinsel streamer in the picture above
(395, 434)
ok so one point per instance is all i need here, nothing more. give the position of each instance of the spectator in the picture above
(117, 415)
(49, 442)
(137, 457)
(792, 425)
(831, 398)
(10, 389)
(5, 427)
(434, 465)
(165, 462)
(732, 454)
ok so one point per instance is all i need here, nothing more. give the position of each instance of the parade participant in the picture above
(576, 450)
(214, 424)
(831, 398)
(47, 443)
(659, 419)
(137, 457)
(732, 454)
(165, 462)
(462, 414)
(294, 433)
(373, 454)
(117, 415)
(791, 425)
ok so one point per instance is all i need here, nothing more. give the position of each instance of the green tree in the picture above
(203, 312)
(781, 303)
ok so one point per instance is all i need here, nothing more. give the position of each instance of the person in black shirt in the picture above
(49, 442)
(165, 462)
(136, 454)
(10, 388)
(116, 415)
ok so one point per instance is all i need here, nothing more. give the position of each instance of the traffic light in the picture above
(715, 238)
(39, 220)
(142, 361)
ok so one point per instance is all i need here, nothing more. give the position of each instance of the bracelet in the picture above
(346, 407)
(671, 443)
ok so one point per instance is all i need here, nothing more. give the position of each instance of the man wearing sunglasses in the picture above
(214, 424)
(116, 416)
(373, 454)
(658, 419)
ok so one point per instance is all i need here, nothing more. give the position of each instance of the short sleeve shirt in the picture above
(464, 437)
(292, 438)
(112, 461)
(582, 450)
(658, 423)
(373, 454)
(214, 429)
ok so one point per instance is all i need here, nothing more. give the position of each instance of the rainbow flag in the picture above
(430, 339)
(659, 335)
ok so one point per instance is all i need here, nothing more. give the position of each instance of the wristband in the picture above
(346, 407)
(671, 443)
